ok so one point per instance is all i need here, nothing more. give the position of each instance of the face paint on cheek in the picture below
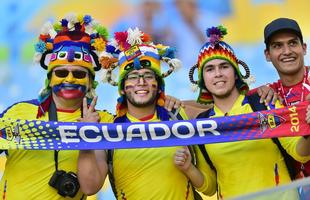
(83, 81)
(154, 84)
(56, 81)
(128, 86)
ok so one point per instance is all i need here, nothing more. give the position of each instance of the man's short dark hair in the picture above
(281, 25)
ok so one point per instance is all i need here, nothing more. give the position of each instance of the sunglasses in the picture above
(63, 73)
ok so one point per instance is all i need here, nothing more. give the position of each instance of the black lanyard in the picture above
(52, 116)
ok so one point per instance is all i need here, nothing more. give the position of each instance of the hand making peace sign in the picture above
(89, 113)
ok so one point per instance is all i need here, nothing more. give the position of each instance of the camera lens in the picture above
(69, 187)
(67, 184)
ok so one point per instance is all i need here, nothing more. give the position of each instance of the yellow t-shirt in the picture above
(27, 172)
(149, 173)
(246, 166)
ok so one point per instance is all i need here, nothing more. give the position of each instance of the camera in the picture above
(65, 183)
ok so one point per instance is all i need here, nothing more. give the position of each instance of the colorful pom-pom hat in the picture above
(215, 48)
(132, 50)
(75, 40)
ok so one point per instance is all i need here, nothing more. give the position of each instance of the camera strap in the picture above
(56, 159)
(52, 116)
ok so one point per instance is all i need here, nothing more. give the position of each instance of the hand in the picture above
(308, 110)
(267, 94)
(89, 113)
(308, 114)
(308, 97)
(183, 159)
(172, 103)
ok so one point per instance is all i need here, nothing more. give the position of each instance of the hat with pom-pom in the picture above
(75, 40)
(134, 50)
(215, 48)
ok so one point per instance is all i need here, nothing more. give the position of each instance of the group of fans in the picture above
(75, 48)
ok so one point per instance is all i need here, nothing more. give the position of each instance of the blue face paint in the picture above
(69, 91)
(68, 86)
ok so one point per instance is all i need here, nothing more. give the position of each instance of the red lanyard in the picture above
(281, 89)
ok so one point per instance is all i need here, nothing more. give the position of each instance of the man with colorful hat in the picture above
(68, 51)
(146, 173)
(285, 49)
(239, 167)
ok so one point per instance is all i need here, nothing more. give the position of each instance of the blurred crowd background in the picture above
(178, 23)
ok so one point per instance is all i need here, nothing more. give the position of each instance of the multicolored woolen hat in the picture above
(75, 40)
(215, 48)
(133, 50)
